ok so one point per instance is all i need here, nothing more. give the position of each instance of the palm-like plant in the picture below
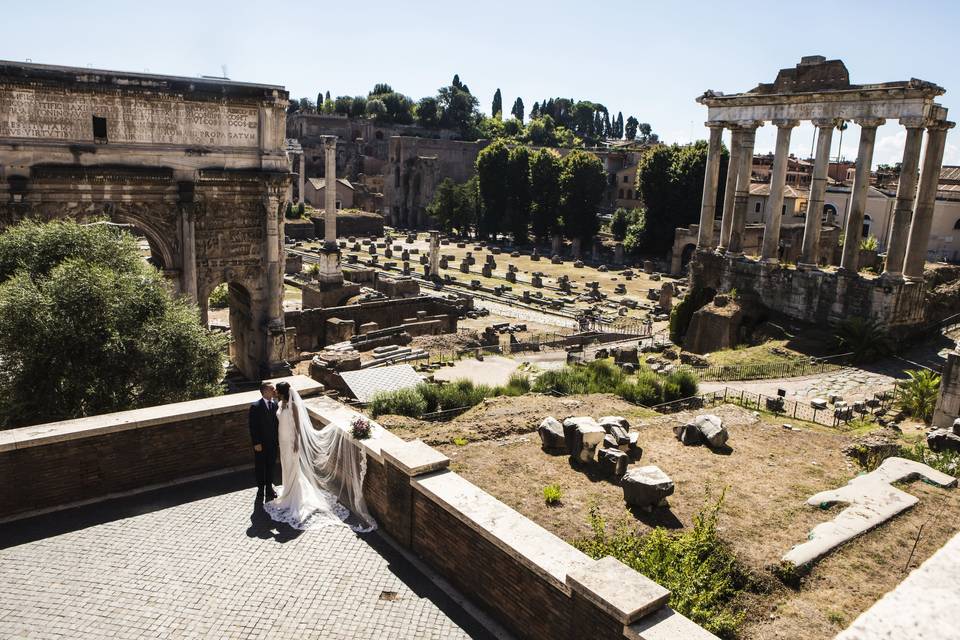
(917, 396)
(865, 338)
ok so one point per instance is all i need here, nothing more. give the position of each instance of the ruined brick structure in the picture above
(198, 166)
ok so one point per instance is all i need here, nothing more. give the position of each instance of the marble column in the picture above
(301, 179)
(850, 262)
(906, 193)
(926, 199)
(330, 191)
(730, 188)
(189, 256)
(708, 206)
(274, 203)
(810, 254)
(778, 177)
(748, 137)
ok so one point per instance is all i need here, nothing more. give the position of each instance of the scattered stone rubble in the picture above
(704, 429)
(945, 439)
(646, 487)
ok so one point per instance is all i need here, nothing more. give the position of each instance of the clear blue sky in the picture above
(650, 59)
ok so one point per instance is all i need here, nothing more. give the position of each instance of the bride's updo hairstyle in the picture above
(283, 390)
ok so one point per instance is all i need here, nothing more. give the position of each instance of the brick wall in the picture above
(59, 463)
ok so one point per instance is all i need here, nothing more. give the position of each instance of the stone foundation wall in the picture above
(352, 223)
(59, 463)
(815, 297)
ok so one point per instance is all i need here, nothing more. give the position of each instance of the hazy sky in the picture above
(649, 59)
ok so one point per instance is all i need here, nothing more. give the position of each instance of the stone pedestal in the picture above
(330, 275)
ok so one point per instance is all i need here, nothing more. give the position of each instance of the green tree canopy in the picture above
(87, 327)
(518, 194)
(545, 169)
(454, 206)
(670, 183)
(496, 109)
(582, 183)
(428, 112)
(458, 107)
(631, 128)
(492, 169)
(517, 109)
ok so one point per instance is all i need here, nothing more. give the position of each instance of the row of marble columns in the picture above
(913, 212)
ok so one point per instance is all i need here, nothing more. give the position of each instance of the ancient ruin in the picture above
(820, 91)
(198, 166)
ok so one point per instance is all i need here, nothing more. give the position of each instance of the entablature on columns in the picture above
(822, 106)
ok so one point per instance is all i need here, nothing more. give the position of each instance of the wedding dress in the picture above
(323, 472)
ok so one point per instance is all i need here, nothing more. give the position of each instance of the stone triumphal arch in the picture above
(197, 165)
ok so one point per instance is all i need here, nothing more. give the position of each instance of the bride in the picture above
(323, 472)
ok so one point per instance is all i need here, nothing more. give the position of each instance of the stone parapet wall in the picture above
(816, 297)
(530, 581)
(59, 463)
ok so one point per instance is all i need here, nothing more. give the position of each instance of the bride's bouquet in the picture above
(360, 428)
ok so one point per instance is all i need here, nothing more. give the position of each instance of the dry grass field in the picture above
(765, 479)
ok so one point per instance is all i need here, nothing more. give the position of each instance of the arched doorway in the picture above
(228, 307)
(686, 255)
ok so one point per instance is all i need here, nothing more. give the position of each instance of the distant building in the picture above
(315, 190)
(625, 185)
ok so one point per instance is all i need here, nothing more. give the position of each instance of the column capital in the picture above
(914, 122)
(718, 124)
(941, 125)
(869, 123)
(749, 124)
(826, 123)
(329, 142)
(785, 123)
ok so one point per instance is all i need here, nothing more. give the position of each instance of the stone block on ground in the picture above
(943, 440)
(713, 431)
(646, 487)
(688, 434)
(614, 421)
(552, 438)
(612, 461)
(583, 437)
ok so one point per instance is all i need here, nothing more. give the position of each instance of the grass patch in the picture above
(460, 442)
(552, 494)
(602, 376)
(429, 398)
(768, 353)
(698, 567)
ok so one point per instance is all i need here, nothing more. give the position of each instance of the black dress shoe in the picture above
(271, 495)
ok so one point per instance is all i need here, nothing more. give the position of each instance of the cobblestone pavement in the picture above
(201, 566)
(850, 384)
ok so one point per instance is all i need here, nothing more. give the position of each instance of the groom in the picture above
(263, 433)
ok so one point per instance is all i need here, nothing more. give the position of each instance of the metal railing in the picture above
(778, 406)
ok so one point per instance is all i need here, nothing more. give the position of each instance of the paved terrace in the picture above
(199, 561)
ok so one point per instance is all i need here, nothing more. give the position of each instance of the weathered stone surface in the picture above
(646, 486)
(872, 501)
(621, 436)
(943, 440)
(714, 328)
(552, 438)
(614, 421)
(713, 431)
(612, 461)
(583, 437)
(688, 434)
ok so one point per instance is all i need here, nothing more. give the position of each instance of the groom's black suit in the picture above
(263, 431)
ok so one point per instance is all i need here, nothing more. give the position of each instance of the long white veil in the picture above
(333, 463)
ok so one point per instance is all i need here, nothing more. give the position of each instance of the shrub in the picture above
(947, 462)
(460, 441)
(568, 380)
(686, 381)
(517, 385)
(698, 568)
(864, 337)
(671, 391)
(552, 494)
(220, 297)
(918, 395)
(639, 392)
(402, 402)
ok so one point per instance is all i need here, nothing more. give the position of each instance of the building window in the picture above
(338, 204)
(867, 222)
(956, 225)
(783, 210)
(757, 208)
(625, 179)
(629, 194)
(396, 176)
(99, 129)
(620, 194)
